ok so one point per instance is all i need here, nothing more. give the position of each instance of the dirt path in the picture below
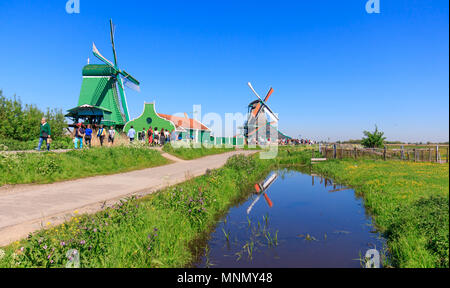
(27, 208)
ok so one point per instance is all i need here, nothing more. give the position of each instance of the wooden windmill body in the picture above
(102, 97)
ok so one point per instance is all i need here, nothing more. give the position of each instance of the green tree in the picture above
(373, 140)
(22, 122)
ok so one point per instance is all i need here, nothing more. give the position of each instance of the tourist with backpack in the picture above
(101, 135)
(142, 135)
(78, 136)
(88, 136)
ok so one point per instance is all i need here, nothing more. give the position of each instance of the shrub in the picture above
(22, 122)
(373, 140)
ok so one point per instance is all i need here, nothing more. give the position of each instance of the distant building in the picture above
(187, 127)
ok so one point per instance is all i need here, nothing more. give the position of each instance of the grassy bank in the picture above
(187, 152)
(16, 145)
(155, 231)
(50, 167)
(409, 202)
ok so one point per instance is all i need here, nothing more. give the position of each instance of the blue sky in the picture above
(336, 70)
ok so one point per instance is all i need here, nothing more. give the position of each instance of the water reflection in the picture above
(301, 223)
(261, 189)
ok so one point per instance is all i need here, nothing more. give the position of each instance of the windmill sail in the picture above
(131, 85)
(100, 56)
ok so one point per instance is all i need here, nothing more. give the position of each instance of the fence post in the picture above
(437, 153)
(447, 155)
(403, 153)
(384, 153)
(430, 158)
(356, 153)
(415, 155)
(334, 151)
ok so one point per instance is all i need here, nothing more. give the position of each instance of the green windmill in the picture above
(102, 98)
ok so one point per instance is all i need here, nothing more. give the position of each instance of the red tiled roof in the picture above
(185, 123)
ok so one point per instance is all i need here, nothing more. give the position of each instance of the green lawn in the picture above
(16, 145)
(187, 152)
(409, 202)
(51, 167)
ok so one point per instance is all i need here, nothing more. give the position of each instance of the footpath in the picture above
(27, 208)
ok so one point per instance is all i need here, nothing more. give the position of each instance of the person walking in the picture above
(162, 138)
(44, 134)
(156, 133)
(78, 136)
(101, 135)
(142, 135)
(167, 135)
(111, 135)
(150, 136)
(131, 134)
(88, 136)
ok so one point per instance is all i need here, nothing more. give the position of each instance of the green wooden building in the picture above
(187, 127)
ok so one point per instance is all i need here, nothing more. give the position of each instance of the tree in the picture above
(373, 140)
(22, 122)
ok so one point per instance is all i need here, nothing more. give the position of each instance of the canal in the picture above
(295, 220)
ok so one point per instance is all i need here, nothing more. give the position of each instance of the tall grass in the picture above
(189, 153)
(156, 231)
(409, 202)
(50, 167)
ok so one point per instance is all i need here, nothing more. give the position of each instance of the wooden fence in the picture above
(415, 155)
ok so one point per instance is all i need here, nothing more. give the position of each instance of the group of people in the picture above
(82, 132)
(296, 142)
(152, 136)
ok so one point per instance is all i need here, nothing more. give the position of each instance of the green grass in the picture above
(16, 145)
(187, 152)
(156, 231)
(23, 168)
(409, 203)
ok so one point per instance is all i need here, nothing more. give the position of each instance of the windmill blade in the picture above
(131, 85)
(129, 77)
(253, 132)
(249, 209)
(113, 30)
(269, 202)
(271, 114)
(270, 181)
(100, 56)
(268, 94)
(251, 87)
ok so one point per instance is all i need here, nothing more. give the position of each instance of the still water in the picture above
(296, 220)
